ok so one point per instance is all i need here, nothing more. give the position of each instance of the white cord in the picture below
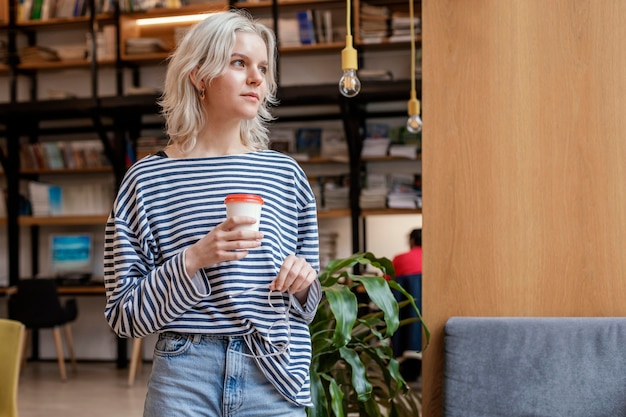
(282, 347)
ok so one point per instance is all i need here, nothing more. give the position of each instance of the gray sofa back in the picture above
(539, 367)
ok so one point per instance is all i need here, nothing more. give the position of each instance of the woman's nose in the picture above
(255, 76)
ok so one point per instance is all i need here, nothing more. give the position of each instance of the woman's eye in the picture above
(263, 70)
(239, 63)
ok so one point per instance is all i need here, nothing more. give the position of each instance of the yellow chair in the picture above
(12, 337)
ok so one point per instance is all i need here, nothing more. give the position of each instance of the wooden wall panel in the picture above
(524, 163)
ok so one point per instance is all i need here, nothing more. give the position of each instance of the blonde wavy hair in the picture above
(207, 47)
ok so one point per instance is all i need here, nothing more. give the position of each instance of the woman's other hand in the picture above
(295, 276)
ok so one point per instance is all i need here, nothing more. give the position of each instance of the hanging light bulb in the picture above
(349, 83)
(414, 123)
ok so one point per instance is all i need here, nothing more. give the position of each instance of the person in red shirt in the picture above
(408, 272)
(410, 263)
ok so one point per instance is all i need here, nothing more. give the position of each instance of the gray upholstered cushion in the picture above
(539, 367)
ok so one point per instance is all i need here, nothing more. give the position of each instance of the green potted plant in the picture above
(353, 370)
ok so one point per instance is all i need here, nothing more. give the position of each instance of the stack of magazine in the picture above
(45, 199)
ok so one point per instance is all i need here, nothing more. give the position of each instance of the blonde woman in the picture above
(231, 306)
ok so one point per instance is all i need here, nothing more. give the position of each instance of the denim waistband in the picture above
(198, 337)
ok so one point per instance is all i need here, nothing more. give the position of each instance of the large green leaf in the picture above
(336, 268)
(318, 395)
(384, 264)
(370, 408)
(336, 396)
(344, 306)
(360, 383)
(378, 291)
(393, 284)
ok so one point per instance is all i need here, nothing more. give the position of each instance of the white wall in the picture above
(389, 235)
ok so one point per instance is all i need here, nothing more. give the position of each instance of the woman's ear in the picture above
(199, 84)
(193, 75)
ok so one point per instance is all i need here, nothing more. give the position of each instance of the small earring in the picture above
(201, 93)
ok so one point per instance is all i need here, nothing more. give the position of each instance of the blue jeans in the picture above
(200, 375)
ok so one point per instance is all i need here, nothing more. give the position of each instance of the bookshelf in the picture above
(119, 119)
(116, 117)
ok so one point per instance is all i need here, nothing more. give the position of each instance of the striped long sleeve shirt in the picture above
(163, 206)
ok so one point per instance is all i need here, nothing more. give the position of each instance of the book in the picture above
(333, 144)
(375, 147)
(403, 193)
(374, 198)
(53, 155)
(85, 153)
(309, 140)
(47, 9)
(376, 130)
(282, 140)
(318, 21)
(64, 8)
(306, 27)
(148, 145)
(403, 151)
(79, 8)
(288, 31)
(39, 156)
(45, 199)
(28, 159)
(323, 22)
(335, 193)
(35, 11)
(328, 26)
(87, 199)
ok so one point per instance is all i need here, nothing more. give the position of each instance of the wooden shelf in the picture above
(337, 213)
(73, 220)
(90, 289)
(390, 158)
(310, 2)
(62, 65)
(388, 211)
(333, 213)
(54, 23)
(323, 160)
(78, 289)
(177, 11)
(253, 4)
(154, 58)
(68, 171)
(315, 48)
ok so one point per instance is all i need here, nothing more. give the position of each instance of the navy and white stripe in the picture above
(163, 206)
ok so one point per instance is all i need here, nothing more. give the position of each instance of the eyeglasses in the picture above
(283, 322)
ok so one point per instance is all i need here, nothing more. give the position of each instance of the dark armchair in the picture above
(37, 305)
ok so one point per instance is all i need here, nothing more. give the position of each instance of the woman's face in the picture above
(239, 92)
